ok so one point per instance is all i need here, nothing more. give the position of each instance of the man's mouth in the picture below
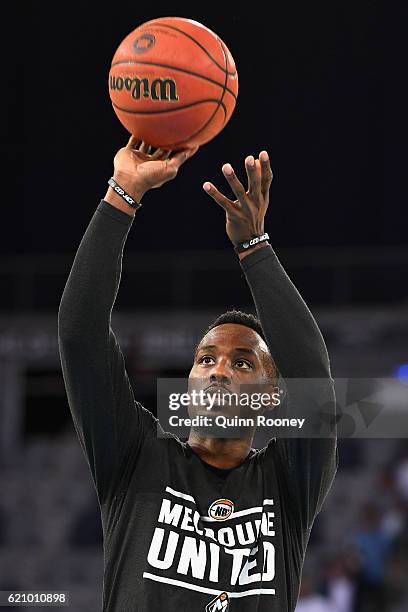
(215, 389)
(217, 398)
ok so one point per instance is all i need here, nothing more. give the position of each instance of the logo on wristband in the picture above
(118, 189)
(252, 242)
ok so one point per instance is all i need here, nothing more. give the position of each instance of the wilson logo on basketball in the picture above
(221, 509)
(158, 89)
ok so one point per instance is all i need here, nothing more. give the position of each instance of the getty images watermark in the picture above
(218, 404)
(293, 408)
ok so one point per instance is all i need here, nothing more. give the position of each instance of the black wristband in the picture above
(128, 199)
(247, 244)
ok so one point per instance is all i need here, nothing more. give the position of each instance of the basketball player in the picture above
(209, 524)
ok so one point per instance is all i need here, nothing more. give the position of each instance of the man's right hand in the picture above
(136, 171)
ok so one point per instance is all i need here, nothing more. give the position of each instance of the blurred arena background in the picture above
(315, 94)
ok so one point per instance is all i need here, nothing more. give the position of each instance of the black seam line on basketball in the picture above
(196, 74)
(165, 25)
(226, 78)
(220, 103)
(172, 110)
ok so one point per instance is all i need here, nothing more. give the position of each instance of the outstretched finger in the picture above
(253, 174)
(235, 184)
(266, 172)
(216, 195)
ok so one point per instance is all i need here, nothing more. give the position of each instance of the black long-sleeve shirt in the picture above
(162, 549)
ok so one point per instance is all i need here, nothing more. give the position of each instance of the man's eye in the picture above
(206, 360)
(243, 365)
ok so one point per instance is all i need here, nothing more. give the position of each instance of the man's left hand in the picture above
(245, 215)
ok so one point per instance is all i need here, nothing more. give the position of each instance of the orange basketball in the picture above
(173, 83)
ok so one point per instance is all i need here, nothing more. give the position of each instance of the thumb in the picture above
(179, 157)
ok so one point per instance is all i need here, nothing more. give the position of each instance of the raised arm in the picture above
(294, 339)
(110, 424)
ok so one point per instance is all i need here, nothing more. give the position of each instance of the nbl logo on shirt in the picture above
(221, 509)
(219, 603)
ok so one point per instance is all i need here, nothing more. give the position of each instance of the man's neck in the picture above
(220, 452)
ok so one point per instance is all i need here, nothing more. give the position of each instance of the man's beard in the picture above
(221, 426)
(219, 433)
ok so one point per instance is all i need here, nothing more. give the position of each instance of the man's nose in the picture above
(220, 374)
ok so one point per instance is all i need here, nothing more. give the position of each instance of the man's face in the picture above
(231, 358)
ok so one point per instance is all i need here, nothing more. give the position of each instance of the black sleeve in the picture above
(306, 465)
(110, 424)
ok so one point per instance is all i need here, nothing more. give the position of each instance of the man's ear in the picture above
(272, 391)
